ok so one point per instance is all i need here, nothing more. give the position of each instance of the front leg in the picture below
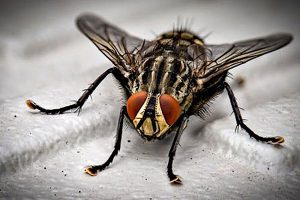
(240, 122)
(175, 179)
(92, 170)
(79, 103)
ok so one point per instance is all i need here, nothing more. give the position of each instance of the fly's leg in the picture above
(79, 103)
(239, 121)
(175, 179)
(92, 170)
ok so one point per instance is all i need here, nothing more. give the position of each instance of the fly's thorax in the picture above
(164, 74)
(153, 114)
(161, 92)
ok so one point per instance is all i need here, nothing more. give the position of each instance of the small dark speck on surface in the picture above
(65, 174)
(45, 168)
(67, 142)
(268, 168)
(128, 140)
(15, 116)
(62, 171)
(191, 158)
(78, 151)
(79, 191)
(240, 81)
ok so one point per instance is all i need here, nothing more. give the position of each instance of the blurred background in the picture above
(41, 35)
(43, 56)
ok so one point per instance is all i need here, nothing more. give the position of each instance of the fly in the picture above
(167, 80)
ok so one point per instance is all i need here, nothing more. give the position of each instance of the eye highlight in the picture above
(170, 108)
(135, 102)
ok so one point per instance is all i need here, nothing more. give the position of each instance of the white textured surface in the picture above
(44, 57)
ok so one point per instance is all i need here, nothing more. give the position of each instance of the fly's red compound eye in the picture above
(170, 108)
(135, 102)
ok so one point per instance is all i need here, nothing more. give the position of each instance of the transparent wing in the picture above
(120, 47)
(220, 58)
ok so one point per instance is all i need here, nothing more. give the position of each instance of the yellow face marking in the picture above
(160, 121)
(147, 127)
(141, 112)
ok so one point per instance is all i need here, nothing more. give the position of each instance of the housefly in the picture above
(166, 80)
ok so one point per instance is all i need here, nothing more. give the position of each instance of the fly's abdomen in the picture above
(180, 38)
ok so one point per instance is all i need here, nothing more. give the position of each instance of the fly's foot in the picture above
(277, 140)
(90, 170)
(31, 104)
(176, 180)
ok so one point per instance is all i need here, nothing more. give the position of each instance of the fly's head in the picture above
(153, 114)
